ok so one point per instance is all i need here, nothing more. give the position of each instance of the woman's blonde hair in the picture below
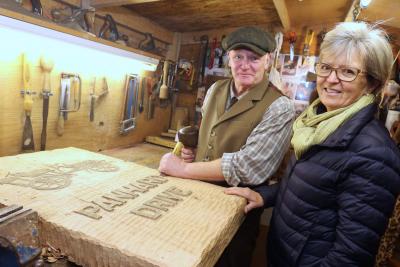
(365, 40)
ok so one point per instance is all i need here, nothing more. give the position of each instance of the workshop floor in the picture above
(144, 154)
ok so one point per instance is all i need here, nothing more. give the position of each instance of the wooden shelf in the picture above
(31, 18)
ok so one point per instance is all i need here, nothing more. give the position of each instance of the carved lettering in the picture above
(90, 211)
(123, 194)
(179, 192)
(169, 196)
(147, 212)
(159, 204)
(114, 198)
(147, 183)
(159, 179)
(107, 203)
(152, 209)
(135, 188)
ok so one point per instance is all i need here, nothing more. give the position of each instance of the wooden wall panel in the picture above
(102, 133)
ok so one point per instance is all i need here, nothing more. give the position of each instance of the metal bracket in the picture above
(28, 92)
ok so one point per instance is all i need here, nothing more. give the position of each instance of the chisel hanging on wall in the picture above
(28, 144)
(46, 66)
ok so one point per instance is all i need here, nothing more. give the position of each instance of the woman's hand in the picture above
(254, 199)
(188, 154)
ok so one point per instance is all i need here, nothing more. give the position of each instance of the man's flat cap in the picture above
(252, 38)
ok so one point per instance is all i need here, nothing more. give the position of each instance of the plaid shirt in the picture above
(265, 148)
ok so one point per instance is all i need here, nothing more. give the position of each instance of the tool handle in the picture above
(164, 88)
(46, 82)
(177, 149)
(165, 69)
(91, 114)
(142, 89)
(60, 125)
(44, 127)
(309, 37)
(25, 73)
(28, 103)
(47, 66)
(77, 91)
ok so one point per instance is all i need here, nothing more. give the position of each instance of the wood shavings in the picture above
(51, 254)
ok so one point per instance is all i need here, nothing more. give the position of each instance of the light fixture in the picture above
(71, 52)
(364, 3)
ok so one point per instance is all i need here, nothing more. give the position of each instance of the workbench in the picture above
(103, 211)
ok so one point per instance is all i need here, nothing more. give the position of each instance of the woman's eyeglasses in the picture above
(346, 74)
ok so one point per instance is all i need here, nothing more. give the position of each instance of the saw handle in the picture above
(60, 125)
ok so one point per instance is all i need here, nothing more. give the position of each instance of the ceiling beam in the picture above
(353, 7)
(281, 8)
(109, 3)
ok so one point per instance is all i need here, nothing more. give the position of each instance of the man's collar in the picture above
(232, 91)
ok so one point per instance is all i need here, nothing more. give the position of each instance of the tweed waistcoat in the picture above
(227, 131)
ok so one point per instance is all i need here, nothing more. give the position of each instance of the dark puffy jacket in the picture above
(334, 203)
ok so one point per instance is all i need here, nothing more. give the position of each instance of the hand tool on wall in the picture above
(174, 94)
(292, 41)
(46, 66)
(70, 85)
(307, 43)
(151, 98)
(221, 56)
(111, 26)
(128, 118)
(194, 70)
(94, 98)
(142, 90)
(147, 44)
(274, 75)
(28, 144)
(202, 58)
(75, 18)
(188, 137)
(89, 19)
(164, 87)
(37, 7)
(212, 53)
(64, 99)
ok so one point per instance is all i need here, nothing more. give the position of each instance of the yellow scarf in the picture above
(311, 128)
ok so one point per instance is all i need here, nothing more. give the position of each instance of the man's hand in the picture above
(171, 165)
(188, 154)
(254, 199)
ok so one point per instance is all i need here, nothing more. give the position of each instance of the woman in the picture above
(333, 204)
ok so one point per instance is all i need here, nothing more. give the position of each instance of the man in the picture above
(244, 134)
